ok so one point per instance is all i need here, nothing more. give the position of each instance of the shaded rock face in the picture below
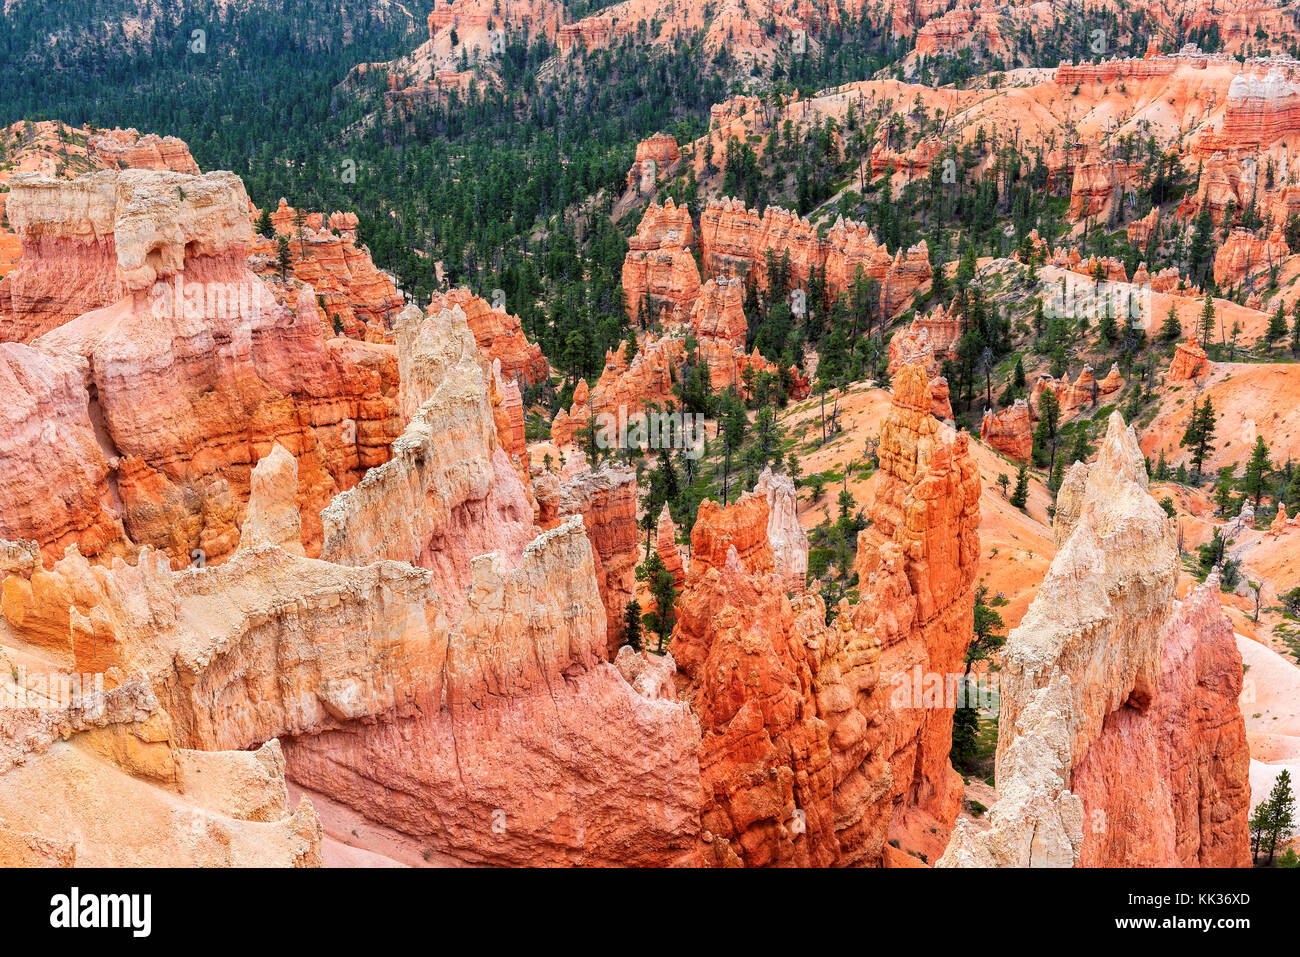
(56, 487)
(1120, 739)
(1194, 737)
(606, 500)
(229, 371)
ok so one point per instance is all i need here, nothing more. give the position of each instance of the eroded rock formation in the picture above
(499, 335)
(1190, 361)
(359, 299)
(1120, 739)
(606, 500)
(808, 754)
(1010, 431)
(229, 371)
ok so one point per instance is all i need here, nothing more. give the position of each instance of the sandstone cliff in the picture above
(229, 371)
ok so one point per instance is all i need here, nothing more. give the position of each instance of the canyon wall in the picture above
(230, 372)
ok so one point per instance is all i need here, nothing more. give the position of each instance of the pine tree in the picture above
(662, 615)
(1049, 417)
(632, 624)
(1276, 326)
(1201, 252)
(1172, 328)
(1020, 496)
(986, 625)
(284, 258)
(1274, 819)
(965, 731)
(1257, 470)
(265, 227)
(1198, 435)
(1205, 324)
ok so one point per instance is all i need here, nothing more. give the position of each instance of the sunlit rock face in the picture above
(230, 372)
(1120, 739)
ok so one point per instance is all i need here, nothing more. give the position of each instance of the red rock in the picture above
(1098, 183)
(850, 245)
(1222, 185)
(1010, 431)
(911, 164)
(127, 149)
(499, 335)
(1140, 230)
(1120, 738)
(926, 341)
(229, 372)
(916, 562)
(719, 313)
(666, 546)
(760, 668)
(56, 488)
(1243, 254)
(1190, 361)
(735, 242)
(765, 756)
(659, 272)
(1085, 391)
(1191, 739)
(959, 28)
(1257, 113)
(656, 157)
(606, 500)
(360, 300)
(741, 526)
